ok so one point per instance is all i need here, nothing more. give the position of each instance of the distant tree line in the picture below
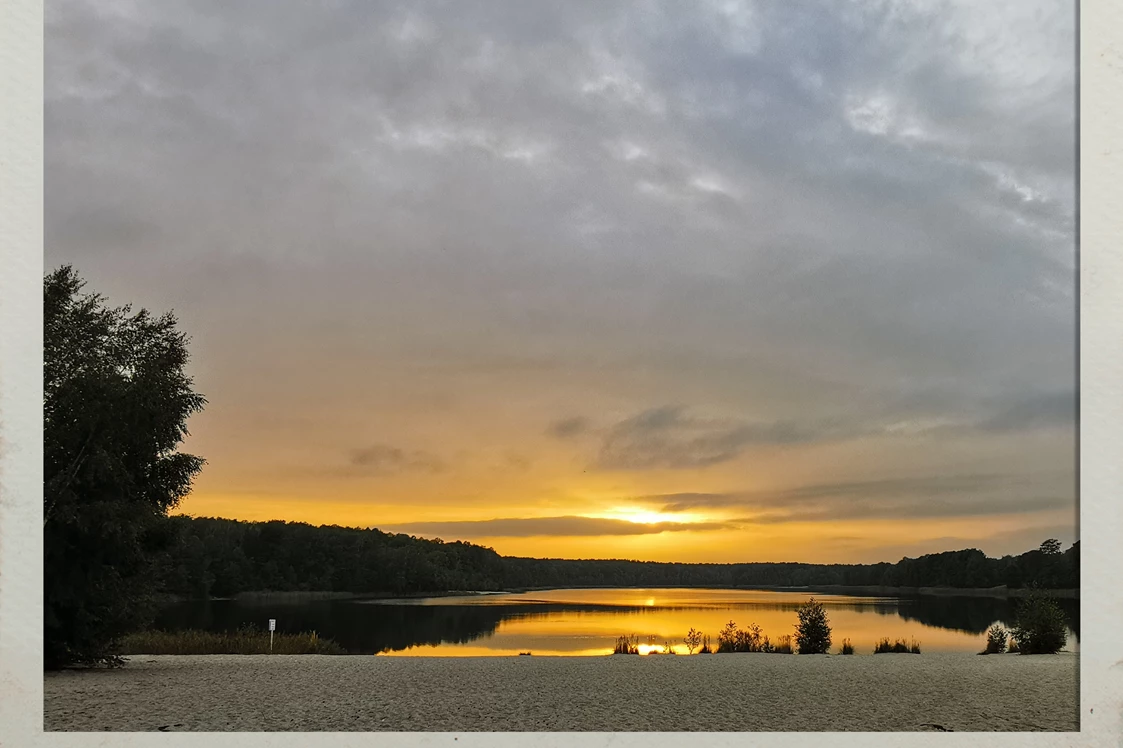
(221, 557)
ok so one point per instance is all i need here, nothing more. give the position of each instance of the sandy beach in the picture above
(739, 692)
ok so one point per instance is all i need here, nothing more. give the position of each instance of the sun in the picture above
(648, 517)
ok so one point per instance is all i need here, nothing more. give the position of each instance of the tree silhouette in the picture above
(115, 407)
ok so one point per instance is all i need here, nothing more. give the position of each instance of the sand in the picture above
(737, 692)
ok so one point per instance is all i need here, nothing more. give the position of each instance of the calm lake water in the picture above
(587, 621)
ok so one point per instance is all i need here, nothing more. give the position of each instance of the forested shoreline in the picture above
(212, 557)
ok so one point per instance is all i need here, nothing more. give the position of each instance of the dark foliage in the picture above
(1040, 627)
(626, 645)
(115, 407)
(847, 648)
(220, 558)
(900, 646)
(813, 632)
(996, 640)
(692, 639)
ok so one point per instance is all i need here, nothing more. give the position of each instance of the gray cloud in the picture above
(549, 526)
(668, 437)
(382, 458)
(567, 428)
(851, 223)
(1053, 409)
(914, 497)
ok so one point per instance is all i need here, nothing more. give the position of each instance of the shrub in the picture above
(1012, 646)
(692, 640)
(783, 645)
(996, 640)
(813, 632)
(1040, 627)
(899, 646)
(847, 648)
(727, 638)
(705, 650)
(626, 645)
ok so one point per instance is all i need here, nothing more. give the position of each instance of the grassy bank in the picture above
(244, 641)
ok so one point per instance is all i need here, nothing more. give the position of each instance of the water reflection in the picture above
(586, 622)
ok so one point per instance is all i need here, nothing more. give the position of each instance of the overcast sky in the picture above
(708, 281)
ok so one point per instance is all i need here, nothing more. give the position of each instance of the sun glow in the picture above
(649, 517)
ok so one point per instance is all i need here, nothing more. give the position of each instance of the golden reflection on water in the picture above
(659, 617)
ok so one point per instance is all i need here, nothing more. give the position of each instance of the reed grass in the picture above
(626, 645)
(847, 648)
(900, 646)
(243, 641)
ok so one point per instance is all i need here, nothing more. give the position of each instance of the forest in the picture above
(211, 557)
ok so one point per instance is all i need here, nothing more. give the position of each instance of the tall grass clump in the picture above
(783, 645)
(245, 641)
(1040, 625)
(996, 640)
(626, 645)
(813, 632)
(705, 650)
(847, 648)
(899, 646)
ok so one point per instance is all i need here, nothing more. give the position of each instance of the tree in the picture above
(813, 632)
(1040, 627)
(115, 407)
(692, 640)
(1050, 547)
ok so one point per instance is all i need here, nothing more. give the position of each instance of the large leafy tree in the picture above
(115, 405)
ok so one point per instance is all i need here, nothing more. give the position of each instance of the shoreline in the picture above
(749, 692)
(1000, 592)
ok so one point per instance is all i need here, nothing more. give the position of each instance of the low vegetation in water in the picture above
(752, 639)
(900, 646)
(243, 641)
(692, 639)
(626, 645)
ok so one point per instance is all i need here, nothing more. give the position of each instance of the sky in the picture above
(725, 281)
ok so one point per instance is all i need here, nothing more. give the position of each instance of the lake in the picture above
(588, 621)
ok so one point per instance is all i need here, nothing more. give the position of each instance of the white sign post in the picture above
(272, 628)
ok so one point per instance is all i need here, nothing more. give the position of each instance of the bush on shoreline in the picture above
(847, 648)
(996, 640)
(245, 641)
(1040, 627)
(626, 645)
(813, 632)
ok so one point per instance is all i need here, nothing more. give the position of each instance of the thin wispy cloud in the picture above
(573, 526)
